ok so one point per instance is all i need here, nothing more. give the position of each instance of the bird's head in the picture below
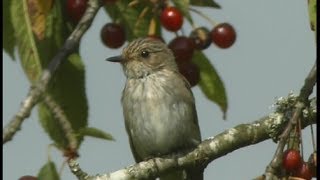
(145, 56)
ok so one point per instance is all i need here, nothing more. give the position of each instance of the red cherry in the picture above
(223, 35)
(28, 178)
(113, 35)
(76, 9)
(182, 48)
(171, 19)
(291, 160)
(304, 172)
(190, 71)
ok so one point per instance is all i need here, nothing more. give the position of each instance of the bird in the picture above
(158, 105)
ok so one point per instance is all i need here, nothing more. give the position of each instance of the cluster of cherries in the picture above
(223, 35)
(113, 35)
(293, 163)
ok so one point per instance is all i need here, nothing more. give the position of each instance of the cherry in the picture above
(223, 35)
(182, 48)
(113, 35)
(304, 172)
(201, 38)
(291, 160)
(28, 178)
(190, 71)
(76, 9)
(171, 19)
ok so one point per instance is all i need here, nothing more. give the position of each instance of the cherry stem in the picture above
(193, 25)
(300, 137)
(61, 168)
(50, 146)
(312, 138)
(214, 23)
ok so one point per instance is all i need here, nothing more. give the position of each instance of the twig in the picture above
(312, 138)
(63, 121)
(302, 100)
(210, 149)
(214, 23)
(76, 170)
(36, 91)
(309, 83)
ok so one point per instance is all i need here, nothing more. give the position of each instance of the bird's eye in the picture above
(145, 54)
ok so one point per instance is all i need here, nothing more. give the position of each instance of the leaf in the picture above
(134, 21)
(37, 14)
(46, 5)
(48, 172)
(27, 48)
(183, 6)
(97, 133)
(313, 14)
(205, 3)
(67, 87)
(210, 82)
(68, 90)
(8, 41)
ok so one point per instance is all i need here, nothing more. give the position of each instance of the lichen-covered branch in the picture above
(300, 104)
(210, 149)
(36, 91)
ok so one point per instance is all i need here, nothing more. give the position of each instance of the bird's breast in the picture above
(155, 115)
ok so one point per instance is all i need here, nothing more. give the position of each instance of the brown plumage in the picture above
(158, 105)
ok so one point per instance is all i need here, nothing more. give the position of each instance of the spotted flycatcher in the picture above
(158, 105)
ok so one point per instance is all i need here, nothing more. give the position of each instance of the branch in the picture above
(309, 82)
(302, 102)
(63, 121)
(36, 91)
(210, 149)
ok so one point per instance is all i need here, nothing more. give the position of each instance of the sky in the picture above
(274, 51)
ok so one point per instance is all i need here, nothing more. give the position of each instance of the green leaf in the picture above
(48, 172)
(28, 51)
(313, 14)
(67, 87)
(97, 133)
(129, 17)
(210, 82)
(183, 6)
(205, 3)
(8, 41)
(68, 90)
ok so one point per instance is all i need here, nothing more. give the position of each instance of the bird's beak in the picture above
(117, 59)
